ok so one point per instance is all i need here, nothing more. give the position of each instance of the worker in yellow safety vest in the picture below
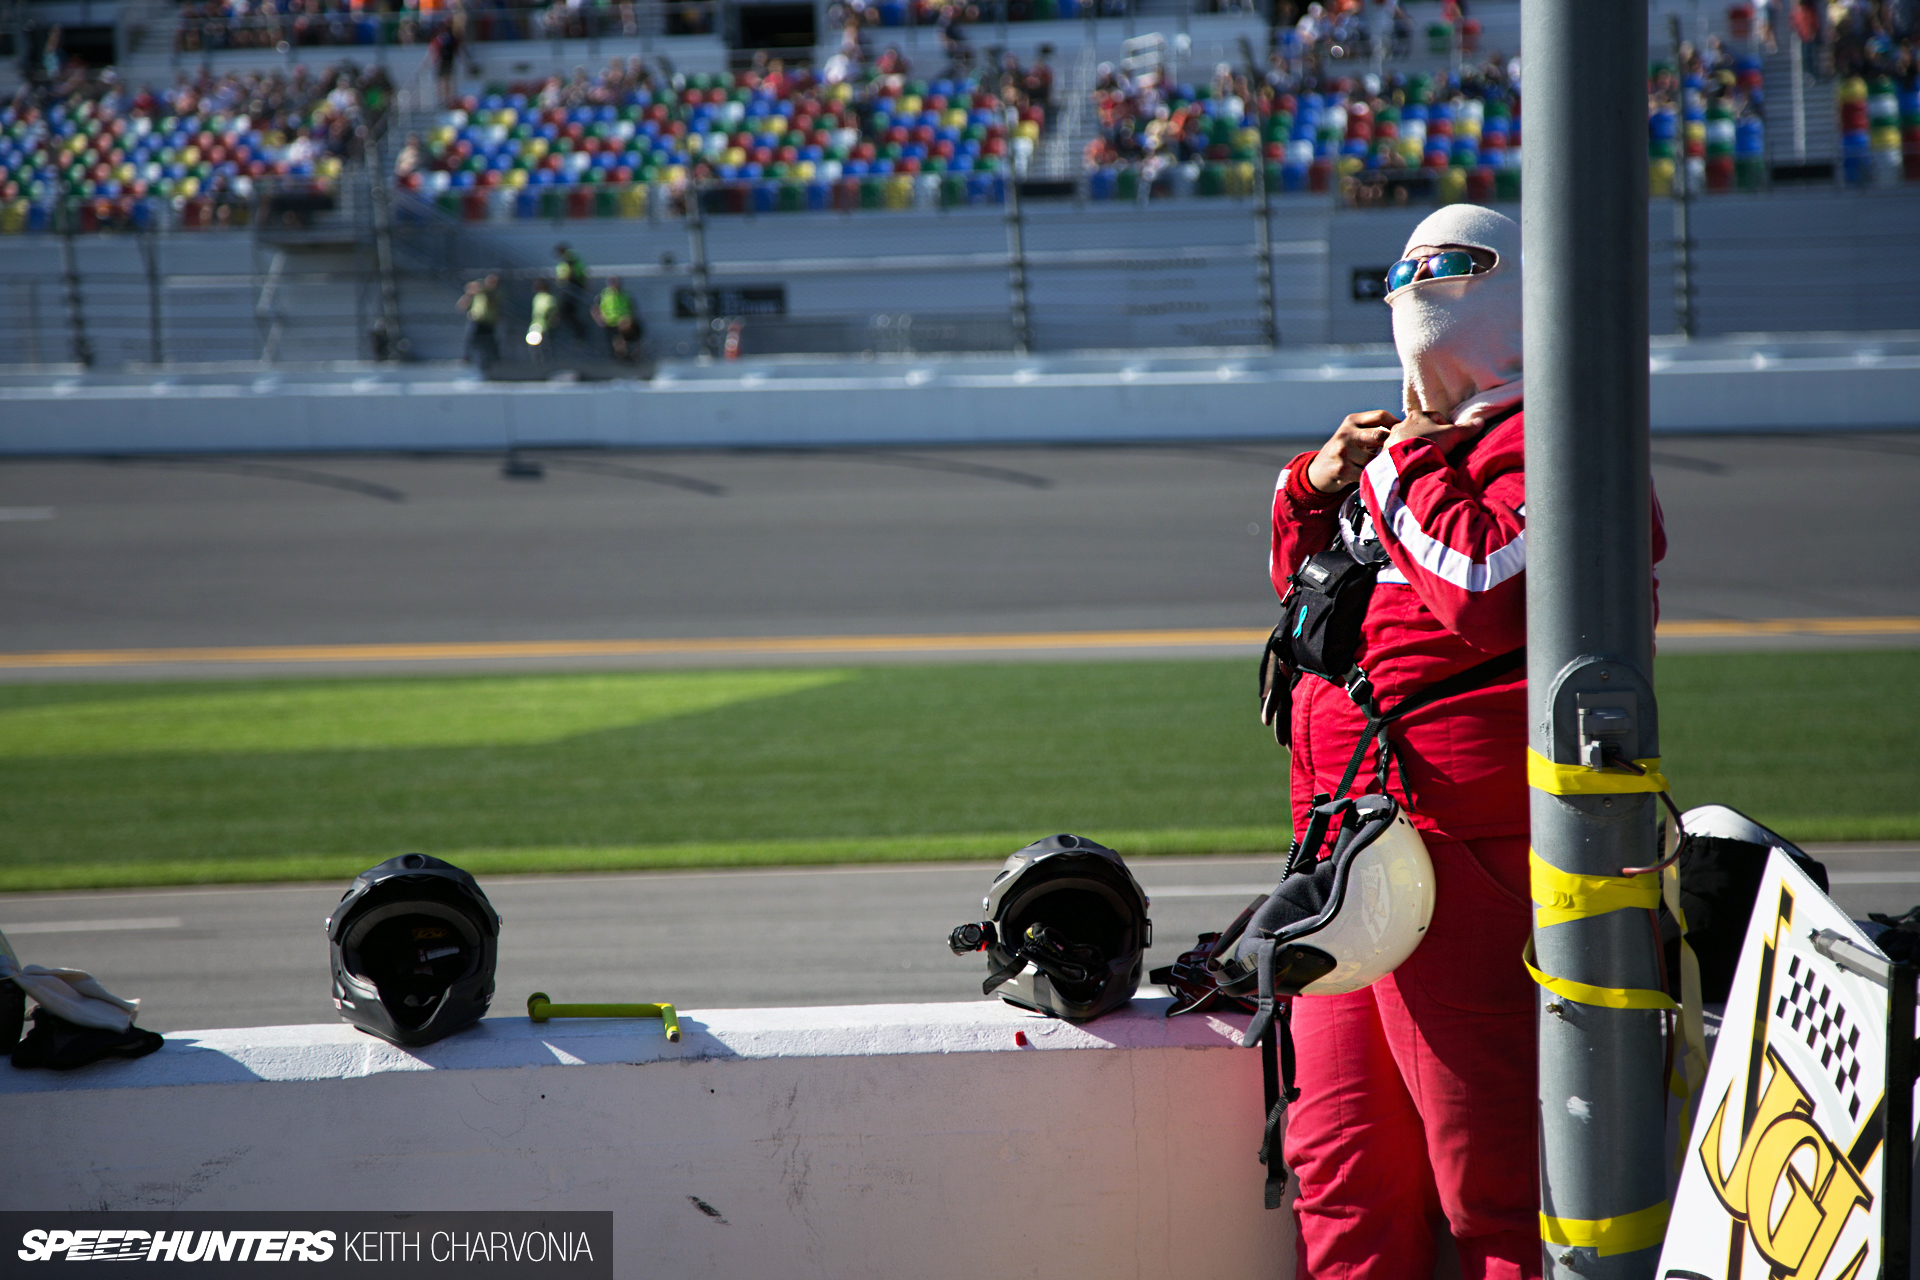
(481, 303)
(546, 312)
(570, 273)
(615, 313)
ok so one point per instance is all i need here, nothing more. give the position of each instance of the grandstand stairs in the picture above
(1819, 124)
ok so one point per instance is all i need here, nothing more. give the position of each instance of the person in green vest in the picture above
(571, 274)
(615, 313)
(481, 303)
(546, 313)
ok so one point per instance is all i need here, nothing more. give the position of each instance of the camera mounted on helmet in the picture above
(1067, 930)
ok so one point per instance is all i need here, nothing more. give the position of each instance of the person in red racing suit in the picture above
(1417, 1094)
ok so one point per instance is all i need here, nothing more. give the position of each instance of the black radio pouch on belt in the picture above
(1319, 630)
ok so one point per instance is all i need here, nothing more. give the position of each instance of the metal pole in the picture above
(1797, 79)
(150, 254)
(1682, 200)
(76, 314)
(1590, 621)
(1017, 268)
(697, 249)
(1896, 1161)
(1263, 255)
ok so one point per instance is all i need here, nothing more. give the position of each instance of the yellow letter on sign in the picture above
(1823, 1188)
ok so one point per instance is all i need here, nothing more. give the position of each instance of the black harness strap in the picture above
(1273, 1023)
(1360, 689)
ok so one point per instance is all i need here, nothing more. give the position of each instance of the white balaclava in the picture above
(1459, 337)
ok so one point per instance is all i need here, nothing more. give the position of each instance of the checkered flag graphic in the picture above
(1812, 1011)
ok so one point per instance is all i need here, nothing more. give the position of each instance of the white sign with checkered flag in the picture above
(1781, 1176)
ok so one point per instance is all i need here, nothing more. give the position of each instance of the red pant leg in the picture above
(1356, 1145)
(1459, 1019)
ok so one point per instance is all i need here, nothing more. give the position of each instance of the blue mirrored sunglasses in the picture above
(1451, 262)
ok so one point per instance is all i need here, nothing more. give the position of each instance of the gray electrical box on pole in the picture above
(1590, 628)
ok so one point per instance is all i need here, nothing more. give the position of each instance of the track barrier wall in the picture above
(865, 1141)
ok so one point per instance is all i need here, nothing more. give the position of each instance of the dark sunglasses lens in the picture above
(1454, 262)
(1400, 274)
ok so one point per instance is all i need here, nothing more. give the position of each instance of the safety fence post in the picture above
(1682, 204)
(149, 242)
(697, 249)
(1263, 255)
(1017, 268)
(1590, 634)
(76, 301)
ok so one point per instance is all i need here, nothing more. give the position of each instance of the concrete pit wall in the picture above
(1763, 384)
(869, 1141)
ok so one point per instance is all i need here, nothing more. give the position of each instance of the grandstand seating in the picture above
(780, 144)
(197, 159)
(1213, 141)
(1879, 130)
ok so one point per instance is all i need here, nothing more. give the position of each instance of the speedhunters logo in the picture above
(577, 1246)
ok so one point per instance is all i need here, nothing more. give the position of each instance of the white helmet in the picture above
(1340, 923)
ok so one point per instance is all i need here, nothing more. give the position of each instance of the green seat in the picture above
(1213, 180)
(792, 199)
(1128, 185)
(871, 195)
(1506, 184)
(606, 203)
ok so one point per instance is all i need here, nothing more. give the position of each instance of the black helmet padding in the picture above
(413, 946)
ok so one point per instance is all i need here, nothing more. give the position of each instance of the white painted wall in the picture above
(870, 1141)
(1760, 384)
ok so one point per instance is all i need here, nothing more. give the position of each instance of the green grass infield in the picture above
(188, 783)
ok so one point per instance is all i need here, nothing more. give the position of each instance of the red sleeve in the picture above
(1460, 539)
(1303, 521)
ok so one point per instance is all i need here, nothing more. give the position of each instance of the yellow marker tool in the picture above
(540, 1008)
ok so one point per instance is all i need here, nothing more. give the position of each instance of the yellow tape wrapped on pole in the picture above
(1578, 780)
(1560, 896)
(1628, 1233)
(540, 1008)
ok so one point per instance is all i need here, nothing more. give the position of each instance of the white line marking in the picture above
(1873, 877)
(26, 513)
(91, 926)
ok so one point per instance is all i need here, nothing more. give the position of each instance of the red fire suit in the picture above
(1417, 1094)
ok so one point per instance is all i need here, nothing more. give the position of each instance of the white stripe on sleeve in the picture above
(1430, 553)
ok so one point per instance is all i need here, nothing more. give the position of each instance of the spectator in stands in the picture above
(1038, 81)
(411, 158)
(615, 313)
(481, 305)
(571, 273)
(445, 48)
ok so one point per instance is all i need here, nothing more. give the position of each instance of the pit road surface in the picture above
(367, 549)
(257, 956)
(355, 549)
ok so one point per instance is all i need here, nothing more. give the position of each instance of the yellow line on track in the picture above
(853, 645)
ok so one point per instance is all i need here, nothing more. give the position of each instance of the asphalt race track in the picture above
(353, 549)
(204, 958)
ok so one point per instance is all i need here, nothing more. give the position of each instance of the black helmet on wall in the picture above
(1066, 930)
(413, 946)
